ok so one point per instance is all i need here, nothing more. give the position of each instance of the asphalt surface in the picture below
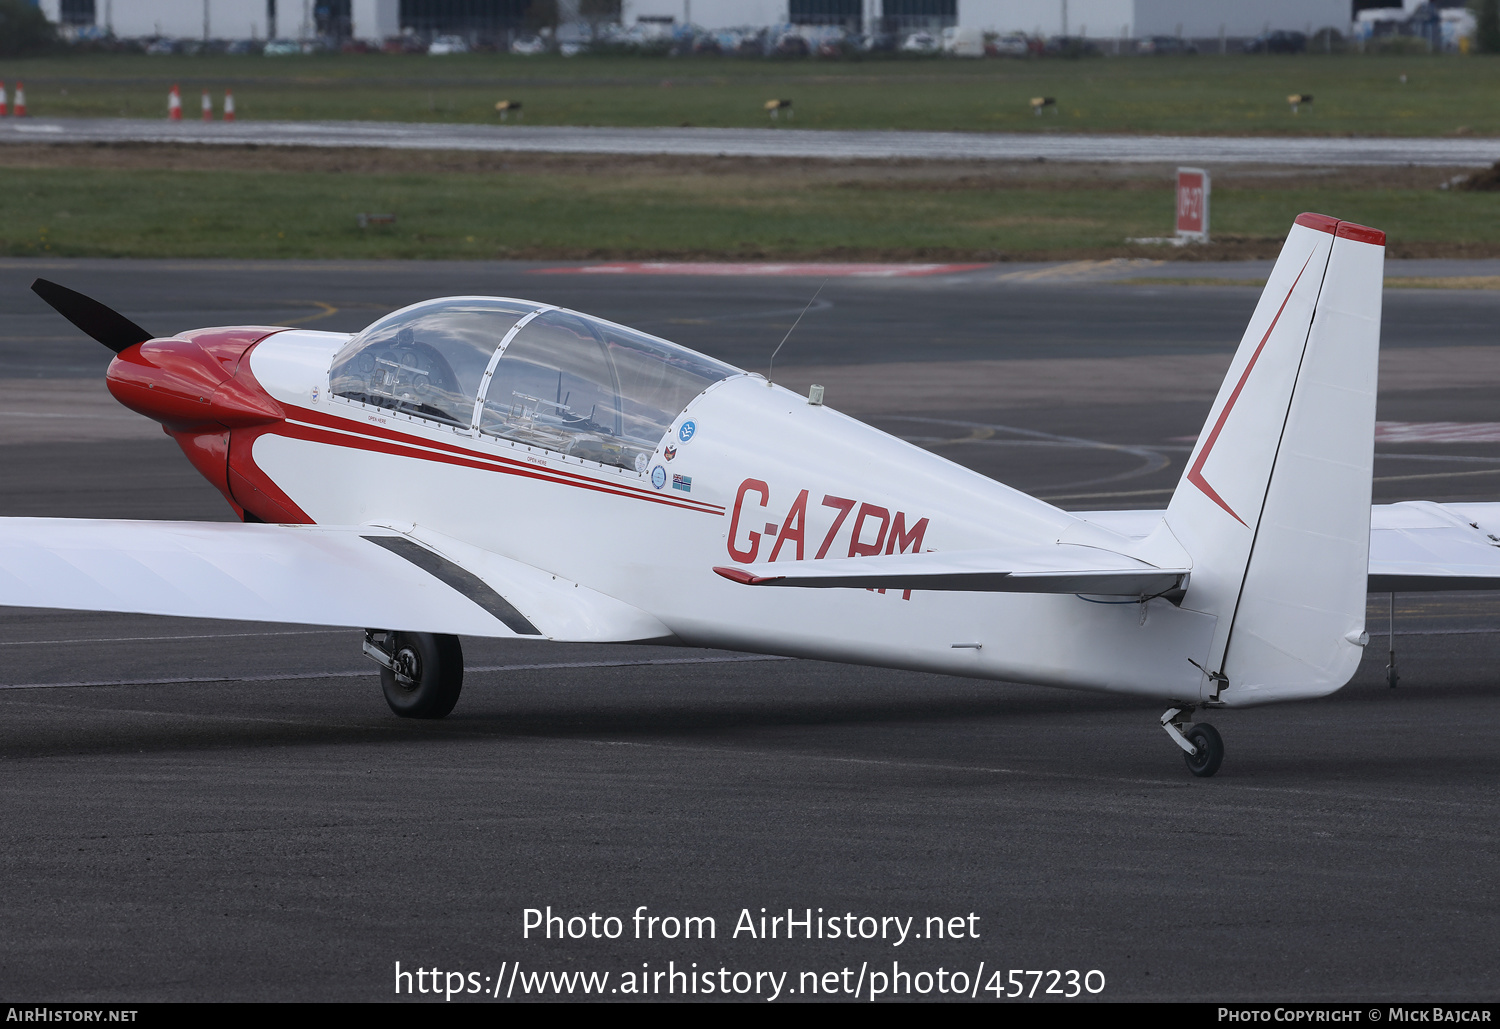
(782, 142)
(203, 810)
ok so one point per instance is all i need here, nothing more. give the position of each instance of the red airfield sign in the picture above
(1192, 204)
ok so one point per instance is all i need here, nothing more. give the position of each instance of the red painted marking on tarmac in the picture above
(730, 268)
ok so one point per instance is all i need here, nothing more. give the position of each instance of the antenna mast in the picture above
(789, 332)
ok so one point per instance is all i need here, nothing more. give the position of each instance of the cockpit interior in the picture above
(532, 374)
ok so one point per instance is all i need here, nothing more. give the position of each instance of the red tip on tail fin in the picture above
(1342, 229)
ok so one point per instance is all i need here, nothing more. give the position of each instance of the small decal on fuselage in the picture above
(669, 453)
(683, 482)
(688, 431)
(658, 477)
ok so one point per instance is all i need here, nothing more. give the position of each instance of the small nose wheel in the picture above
(421, 673)
(1209, 750)
(1202, 746)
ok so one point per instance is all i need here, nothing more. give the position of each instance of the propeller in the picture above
(108, 326)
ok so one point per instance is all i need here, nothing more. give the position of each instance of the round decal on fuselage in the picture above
(658, 476)
(689, 428)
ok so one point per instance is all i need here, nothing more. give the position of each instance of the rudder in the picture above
(1274, 506)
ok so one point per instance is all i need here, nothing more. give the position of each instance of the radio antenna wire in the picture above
(789, 332)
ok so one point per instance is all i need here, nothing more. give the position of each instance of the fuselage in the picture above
(746, 473)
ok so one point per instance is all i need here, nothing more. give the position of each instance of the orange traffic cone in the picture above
(229, 105)
(4, 101)
(208, 107)
(174, 104)
(19, 108)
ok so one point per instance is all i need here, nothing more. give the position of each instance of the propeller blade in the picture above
(107, 326)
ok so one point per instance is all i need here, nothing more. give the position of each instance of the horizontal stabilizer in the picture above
(358, 576)
(1420, 546)
(1057, 568)
(1415, 547)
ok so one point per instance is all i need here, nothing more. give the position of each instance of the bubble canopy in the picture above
(528, 373)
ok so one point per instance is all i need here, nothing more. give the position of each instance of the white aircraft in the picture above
(502, 468)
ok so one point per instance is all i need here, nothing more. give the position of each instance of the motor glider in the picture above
(496, 467)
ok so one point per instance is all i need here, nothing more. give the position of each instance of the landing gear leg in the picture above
(1391, 677)
(1202, 746)
(420, 672)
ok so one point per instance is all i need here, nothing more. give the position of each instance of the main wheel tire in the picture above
(435, 663)
(1210, 750)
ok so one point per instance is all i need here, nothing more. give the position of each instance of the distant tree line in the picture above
(24, 29)
(1487, 27)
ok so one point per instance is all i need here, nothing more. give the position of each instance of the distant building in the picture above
(216, 19)
(1100, 19)
(380, 19)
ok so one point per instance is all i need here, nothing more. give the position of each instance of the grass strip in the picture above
(1208, 94)
(592, 210)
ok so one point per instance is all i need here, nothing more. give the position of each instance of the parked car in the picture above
(244, 47)
(404, 44)
(528, 45)
(921, 43)
(1278, 42)
(443, 45)
(791, 45)
(750, 44)
(282, 48)
(1162, 46)
(1013, 45)
(837, 46)
(162, 47)
(963, 42)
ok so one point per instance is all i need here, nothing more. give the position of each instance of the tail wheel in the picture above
(427, 676)
(1208, 747)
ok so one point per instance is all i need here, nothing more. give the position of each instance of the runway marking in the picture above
(1436, 475)
(148, 639)
(328, 311)
(362, 672)
(1152, 460)
(1070, 270)
(861, 270)
(1172, 489)
(1420, 432)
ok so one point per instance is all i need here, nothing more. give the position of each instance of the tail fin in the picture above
(1274, 507)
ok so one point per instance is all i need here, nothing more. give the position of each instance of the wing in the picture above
(359, 576)
(1051, 568)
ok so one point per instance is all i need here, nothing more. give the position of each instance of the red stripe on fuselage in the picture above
(318, 427)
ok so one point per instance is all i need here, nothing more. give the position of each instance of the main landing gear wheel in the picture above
(1202, 746)
(1210, 750)
(422, 673)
